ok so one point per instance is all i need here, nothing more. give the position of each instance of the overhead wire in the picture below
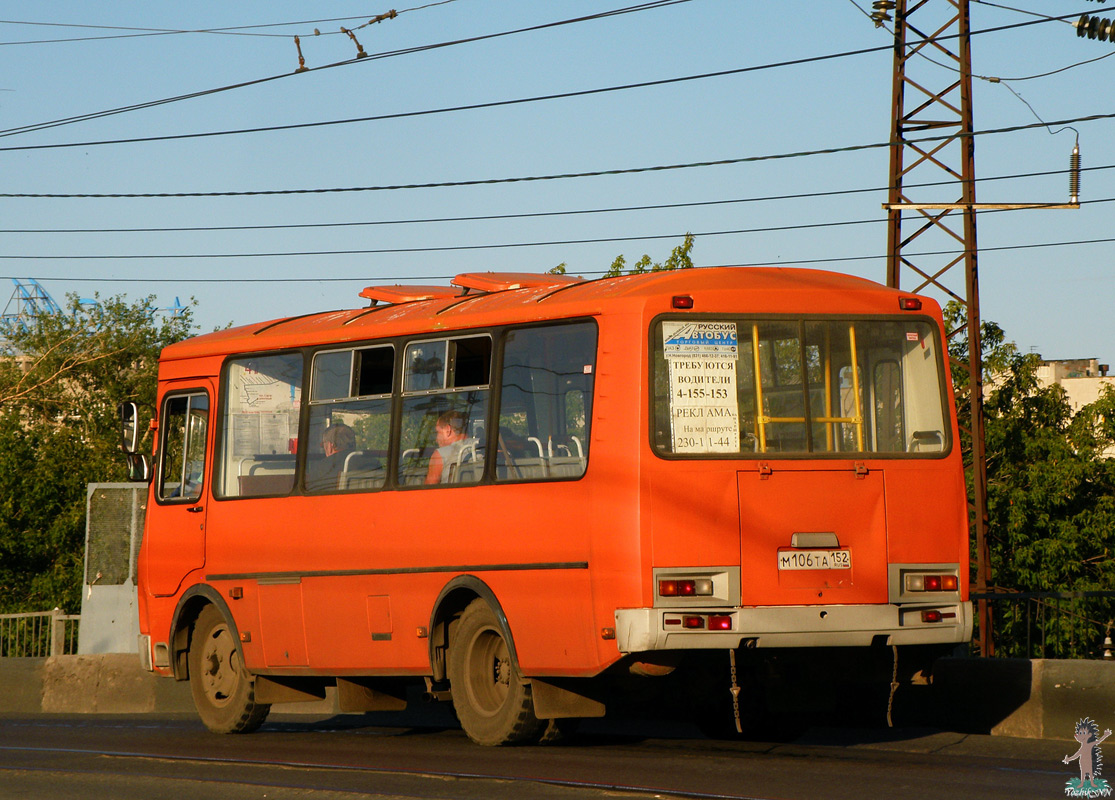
(547, 177)
(443, 110)
(654, 4)
(451, 109)
(406, 51)
(536, 214)
(233, 30)
(183, 278)
(461, 248)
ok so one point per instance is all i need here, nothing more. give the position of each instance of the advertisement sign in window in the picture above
(704, 412)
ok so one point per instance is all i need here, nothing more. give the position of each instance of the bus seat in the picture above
(266, 464)
(362, 470)
(413, 467)
(526, 469)
(469, 466)
(267, 483)
(566, 467)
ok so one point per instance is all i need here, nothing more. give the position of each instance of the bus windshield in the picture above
(792, 386)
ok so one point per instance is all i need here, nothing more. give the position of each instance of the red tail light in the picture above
(931, 615)
(687, 587)
(919, 582)
(694, 622)
(719, 623)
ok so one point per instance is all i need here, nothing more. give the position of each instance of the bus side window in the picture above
(351, 389)
(185, 423)
(546, 402)
(445, 385)
(259, 426)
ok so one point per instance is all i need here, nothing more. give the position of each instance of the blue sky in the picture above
(1054, 300)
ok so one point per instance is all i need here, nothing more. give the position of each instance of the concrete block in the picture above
(21, 685)
(1072, 690)
(1039, 699)
(105, 684)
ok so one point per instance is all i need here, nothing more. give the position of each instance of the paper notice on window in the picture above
(704, 411)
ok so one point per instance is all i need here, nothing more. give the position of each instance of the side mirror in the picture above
(129, 426)
(139, 467)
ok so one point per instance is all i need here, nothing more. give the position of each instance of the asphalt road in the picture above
(145, 756)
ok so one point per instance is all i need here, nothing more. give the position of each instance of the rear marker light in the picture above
(932, 583)
(682, 301)
(689, 587)
(909, 303)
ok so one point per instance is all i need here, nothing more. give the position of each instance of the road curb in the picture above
(1039, 699)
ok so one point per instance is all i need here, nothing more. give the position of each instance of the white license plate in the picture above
(815, 559)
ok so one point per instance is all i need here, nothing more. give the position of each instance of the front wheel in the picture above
(490, 697)
(223, 690)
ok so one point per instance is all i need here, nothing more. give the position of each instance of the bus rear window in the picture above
(744, 387)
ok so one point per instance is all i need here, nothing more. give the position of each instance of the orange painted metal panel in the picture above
(353, 577)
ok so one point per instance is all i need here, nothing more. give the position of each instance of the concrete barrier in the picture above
(1041, 699)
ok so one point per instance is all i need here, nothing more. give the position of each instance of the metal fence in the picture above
(38, 634)
(1052, 624)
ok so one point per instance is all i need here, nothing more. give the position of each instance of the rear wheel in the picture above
(491, 699)
(223, 690)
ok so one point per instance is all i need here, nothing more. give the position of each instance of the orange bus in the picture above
(514, 487)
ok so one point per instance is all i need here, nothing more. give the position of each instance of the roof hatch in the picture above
(501, 281)
(398, 293)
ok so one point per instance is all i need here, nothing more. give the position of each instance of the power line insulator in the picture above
(1095, 28)
(1074, 175)
(359, 47)
(881, 12)
(301, 61)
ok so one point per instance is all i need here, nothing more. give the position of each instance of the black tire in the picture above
(223, 690)
(491, 699)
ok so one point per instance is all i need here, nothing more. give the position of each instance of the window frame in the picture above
(803, 321)
(164, 432)
(496, 336)
(221, 442)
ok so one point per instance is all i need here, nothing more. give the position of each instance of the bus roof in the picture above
(524, 297)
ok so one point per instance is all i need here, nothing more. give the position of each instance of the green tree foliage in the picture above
(61, 377)
(1051, 499)
(680, 258)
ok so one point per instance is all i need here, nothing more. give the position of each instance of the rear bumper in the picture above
(643, 629)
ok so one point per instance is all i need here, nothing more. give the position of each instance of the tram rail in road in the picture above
(94, 757)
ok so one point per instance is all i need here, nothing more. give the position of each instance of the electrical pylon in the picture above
(932, 102)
